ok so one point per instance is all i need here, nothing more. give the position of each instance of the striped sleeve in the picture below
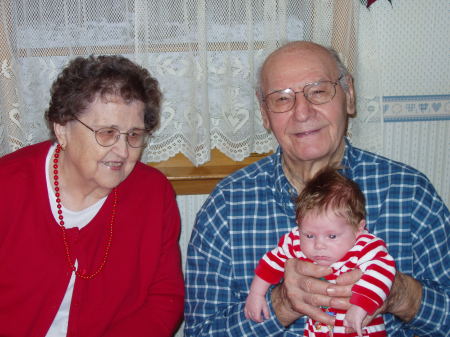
(378, 269)
(271, 266)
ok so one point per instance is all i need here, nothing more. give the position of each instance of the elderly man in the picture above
(306, 98)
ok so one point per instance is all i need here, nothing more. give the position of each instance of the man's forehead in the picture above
(279, 78)
(299, 58)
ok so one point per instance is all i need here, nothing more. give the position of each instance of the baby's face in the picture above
(326, 237)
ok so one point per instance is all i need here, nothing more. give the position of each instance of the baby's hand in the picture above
(254, 306)
(354, 317)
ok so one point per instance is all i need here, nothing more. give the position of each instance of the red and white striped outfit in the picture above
(368, 254)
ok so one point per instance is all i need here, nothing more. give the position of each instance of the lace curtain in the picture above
(205, 54)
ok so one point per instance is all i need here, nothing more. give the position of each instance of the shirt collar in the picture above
(348, 160)
(286, 193)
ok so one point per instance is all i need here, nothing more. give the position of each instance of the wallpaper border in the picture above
(417, 108)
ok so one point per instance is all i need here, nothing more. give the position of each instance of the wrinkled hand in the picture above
(403, 301)
(354, 318)
(256, 308)
(342, 290)
(302, 293)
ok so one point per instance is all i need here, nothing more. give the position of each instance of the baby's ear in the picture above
(361, 227)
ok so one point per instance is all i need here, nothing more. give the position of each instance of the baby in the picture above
(331, 232)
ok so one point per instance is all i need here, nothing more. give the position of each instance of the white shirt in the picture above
(71, 219)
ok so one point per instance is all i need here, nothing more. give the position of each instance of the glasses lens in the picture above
(107, 136)
(280, 101)
(320, 92)
(137, 137)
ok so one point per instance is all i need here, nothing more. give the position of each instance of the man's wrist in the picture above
(406, 297)
(282, 308)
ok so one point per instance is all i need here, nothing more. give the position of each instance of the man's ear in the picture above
(350, 96)
(263, 110)
(265, 119)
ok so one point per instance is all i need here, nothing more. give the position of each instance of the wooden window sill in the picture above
(187, 179)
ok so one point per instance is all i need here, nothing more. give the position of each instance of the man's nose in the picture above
(302, 109)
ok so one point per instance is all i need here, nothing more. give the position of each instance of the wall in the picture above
(189, 205)
(411, 40)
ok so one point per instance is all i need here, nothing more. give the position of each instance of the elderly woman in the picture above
(88, 234)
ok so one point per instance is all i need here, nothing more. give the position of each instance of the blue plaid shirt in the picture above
(249, 211)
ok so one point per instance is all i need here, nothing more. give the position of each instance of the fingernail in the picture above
(331, 291)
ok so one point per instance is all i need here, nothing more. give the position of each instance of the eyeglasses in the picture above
(110, 135)
(316, 93)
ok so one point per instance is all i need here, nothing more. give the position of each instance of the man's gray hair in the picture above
(343, 73)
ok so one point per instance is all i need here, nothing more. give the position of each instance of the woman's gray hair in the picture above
(343, 73)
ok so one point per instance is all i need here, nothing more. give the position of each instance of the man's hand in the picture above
(302, 293)
(403, 301)
(342, 290)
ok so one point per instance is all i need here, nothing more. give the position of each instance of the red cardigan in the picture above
(140, 291)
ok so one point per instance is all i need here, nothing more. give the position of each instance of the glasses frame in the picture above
(147, 132)
(308, 85)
